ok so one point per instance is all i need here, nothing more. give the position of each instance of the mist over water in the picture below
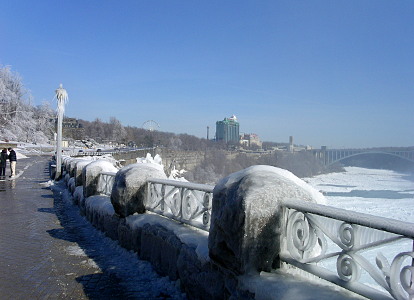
(385, 193)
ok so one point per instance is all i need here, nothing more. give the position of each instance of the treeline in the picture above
(129, 135)
(19, 119)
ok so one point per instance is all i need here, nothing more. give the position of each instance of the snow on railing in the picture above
(105, 183)
(185, 202)
(369, 255)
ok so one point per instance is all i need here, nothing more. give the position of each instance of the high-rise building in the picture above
(228, 130)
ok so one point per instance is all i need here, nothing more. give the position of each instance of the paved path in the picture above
(48, 251)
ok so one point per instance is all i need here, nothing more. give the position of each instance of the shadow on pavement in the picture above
(123, 275)
(47, 210)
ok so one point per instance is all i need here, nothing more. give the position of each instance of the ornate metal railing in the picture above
(185, 202)
(106, 182)
(371, 256)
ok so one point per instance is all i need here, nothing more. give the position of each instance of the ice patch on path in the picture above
(47, 183)
(75, 250)
(90, 263)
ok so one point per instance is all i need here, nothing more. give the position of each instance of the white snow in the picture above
(103, 165)
(177, 175)
(382, 193)
(19, 155)
(94, 168)
(281, 174)
(47, 183)
(156, 161)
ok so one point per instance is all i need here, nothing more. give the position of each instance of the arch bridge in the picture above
(331, 156)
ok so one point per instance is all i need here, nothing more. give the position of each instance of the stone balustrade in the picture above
(251, 241)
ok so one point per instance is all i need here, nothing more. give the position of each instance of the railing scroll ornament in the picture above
(182, 201)
(106, 182)
(319, 239)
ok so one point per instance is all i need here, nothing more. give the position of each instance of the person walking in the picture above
(13, 161)
(3, 163)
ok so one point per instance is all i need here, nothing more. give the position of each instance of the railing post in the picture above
(131, 188)
(162, 197)
(91, 174)
(246, 217)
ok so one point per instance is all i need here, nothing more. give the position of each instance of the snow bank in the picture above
(19, 155)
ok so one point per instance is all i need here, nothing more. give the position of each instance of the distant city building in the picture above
(72, 128)
(228, 130)
(291, 145)
(250, 139)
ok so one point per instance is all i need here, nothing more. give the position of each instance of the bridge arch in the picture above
(405, 155)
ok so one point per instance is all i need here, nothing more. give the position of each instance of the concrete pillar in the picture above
(246, 217)
(129, 191)
(90, 176)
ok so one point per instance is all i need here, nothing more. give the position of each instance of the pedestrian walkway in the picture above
(48, 251)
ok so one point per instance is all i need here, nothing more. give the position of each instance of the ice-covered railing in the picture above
(105, 183)
(186, 202)
(369, 255)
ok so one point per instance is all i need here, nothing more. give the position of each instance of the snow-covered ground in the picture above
(383, 193)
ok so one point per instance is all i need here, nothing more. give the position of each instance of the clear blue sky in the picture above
(335, 73)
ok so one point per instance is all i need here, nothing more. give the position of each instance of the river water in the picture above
(377, 192)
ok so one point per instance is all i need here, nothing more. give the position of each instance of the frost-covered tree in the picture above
(11, 96)
(44, 117)
(117, 131)
(19, 120)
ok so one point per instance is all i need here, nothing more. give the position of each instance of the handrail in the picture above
(184, 184)
(105, 182)
(380, 223)
(186, 202)
(108, 173)
(321, 240)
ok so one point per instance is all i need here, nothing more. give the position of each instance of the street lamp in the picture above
(61, 97)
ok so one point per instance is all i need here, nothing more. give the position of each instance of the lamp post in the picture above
(61, 97)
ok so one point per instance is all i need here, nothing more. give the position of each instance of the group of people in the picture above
(8, 154)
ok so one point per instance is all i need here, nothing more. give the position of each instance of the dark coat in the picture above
(3, 159)
(12, 155)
